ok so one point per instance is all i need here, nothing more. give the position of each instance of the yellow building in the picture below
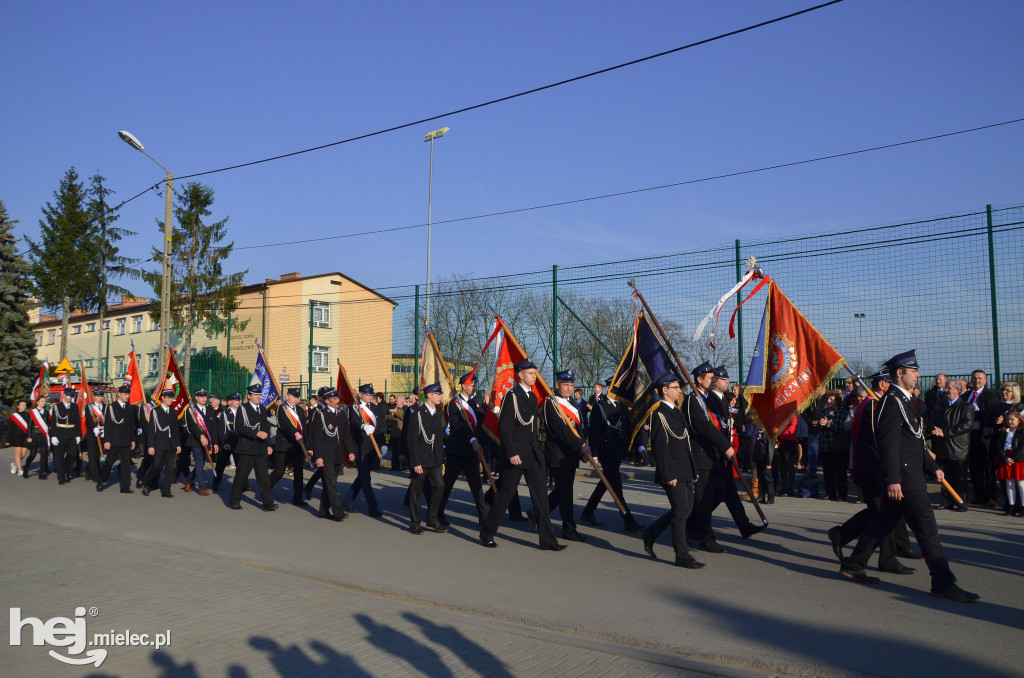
(305, 325)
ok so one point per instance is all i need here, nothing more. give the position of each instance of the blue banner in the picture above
(756, 374)
(263, 378)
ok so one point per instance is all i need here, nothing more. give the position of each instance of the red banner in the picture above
(172, 380)
(344, 386)
(794, 361)
(133, 380)
(509, 353)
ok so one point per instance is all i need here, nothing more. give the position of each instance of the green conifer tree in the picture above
(18, 363)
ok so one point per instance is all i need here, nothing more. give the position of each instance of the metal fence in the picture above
(946, 286)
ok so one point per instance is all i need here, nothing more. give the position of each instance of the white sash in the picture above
(40, 422)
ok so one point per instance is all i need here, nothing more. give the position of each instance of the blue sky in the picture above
(210, 84)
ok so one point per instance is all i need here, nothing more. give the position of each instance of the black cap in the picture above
(124, 388)
(330, 393)
(366, 389)
(907, 359)
(703, 368)
(98, 392)
(201, 392)
(432, 388)
(525, 365)
(566, 376)
(294, 392)
(167, 393)
(69, 390)
(235, 396)
(608, 381)
(666, 379)
(255, 388)
(321, 392)
(878, 377)
(416, 391)
(721, 372)
(468, 376)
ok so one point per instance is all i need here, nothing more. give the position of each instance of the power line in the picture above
(639, 190)
(519, 94)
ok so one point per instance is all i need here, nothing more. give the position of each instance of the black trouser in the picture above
(223, 458)
(65, 456)
(433, 476)
(731, 499)
(610, 467)
(364, 467)
(44, 459)
(469, 464)
(789, 450)
(92, 447)
(330, 505)
(916, 507)
(163, 460)
(277, 463)
(982, 476)
(123, 455)
(561, 497)
(508, 487)
(833, 467)
(765, 476)
(680, 500)
(956, 475)
(244, 465)
(873, 494)
(144, 466)
(707, 494)
(297, 458)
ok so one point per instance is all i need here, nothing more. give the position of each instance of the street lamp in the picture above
(165, 293)
(436, 134)
(860, 335)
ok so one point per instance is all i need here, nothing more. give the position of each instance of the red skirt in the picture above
(1014, 471)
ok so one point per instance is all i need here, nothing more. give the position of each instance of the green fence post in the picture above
(992, 289)
(739, 317)
(554, 323)
(416, 341)
(227, 361)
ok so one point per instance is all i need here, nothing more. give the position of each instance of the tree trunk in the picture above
(99, 350)
(65, 312)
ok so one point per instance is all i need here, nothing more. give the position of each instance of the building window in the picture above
(89, 362)
(154, 326)
(136, 324)
(153, 360)
(91, 327)
(77, 329)
(321, 314)
(122, 324)
(321, 359)
(119, 366)
(51, 337)
(106, 324)
(39, 338)
(402, 369)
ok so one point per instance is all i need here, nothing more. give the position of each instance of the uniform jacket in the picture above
(426, 439)
(460, 430)
(65, 422)
(607, 435)
(194, 430)
(226, 431)
(364, 446)
(163, 429)
(329, 435)
(40, 438)
(670, 445)
(286, 428)
(900, 439)
(707, 441)
(518, 426)
(564, 441)
(250, 420)
(119, 424)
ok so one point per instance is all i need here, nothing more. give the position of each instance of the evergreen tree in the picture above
(65, 263)
(201, 292)
(112, 264)
(18, 364)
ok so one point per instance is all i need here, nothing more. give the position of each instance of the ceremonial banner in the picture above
(264, 376)
(509, 352)
(41, 388)
(133, 380)
(172, 379)
(433, 369)
(83, 397)
(344, 387)
(791, 360)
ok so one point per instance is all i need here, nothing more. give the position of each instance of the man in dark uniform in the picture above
(93, 432)
(520, 456)
(563, 447)
(228, 437)
(291, 422)
(65, 434)
(316, 403)
(462, 450)
(426, 456)
(675, 471)
(607, 438)
(252, 450)
(164, 445)
(119, 429)
(143, 413)
(330, 442)
(201, 429)
(369, 424)
(904, 462)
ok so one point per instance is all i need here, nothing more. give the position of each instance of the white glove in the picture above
(78, 440)
(642, 448)
(138, 431)
(383, 449)
(96, 430)
(368, 430)
(54, 441)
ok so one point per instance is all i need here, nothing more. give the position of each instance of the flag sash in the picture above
(40, 422)
(201, 420)
(19, 422)
(570, 412)
(292, 418)
(368, 416)
(467, 412)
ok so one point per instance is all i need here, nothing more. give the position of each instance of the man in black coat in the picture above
(201, 436)
(252, 450)
(288, 448)
(164, 440)
(462, 450)
(228, 437)
(609, 420)
(983, 479)
(426, 456)
(93, 432)
(904, 463)
(331, 445)
(65, 434)
(369, 424)
(952, 424)
(520, 456)
(675, 471)
(119, 431)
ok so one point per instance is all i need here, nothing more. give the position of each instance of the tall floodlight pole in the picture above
(436, 134)
(165, 289)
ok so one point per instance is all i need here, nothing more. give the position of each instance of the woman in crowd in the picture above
(17, 427)
(37, 440)
(833, 451)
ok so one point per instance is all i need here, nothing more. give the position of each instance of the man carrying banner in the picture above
(331, 444)
(563, 448)
(93, 431)
(252, 451)
(65, 434)
(288, 448)
(164, 441)
(118, 440)
(904, 462)
(520, 456)
(228, 437)
(675, 470)
(462, 450)
(608, 438)
(369, 425)
(426, 456)
(201, 440)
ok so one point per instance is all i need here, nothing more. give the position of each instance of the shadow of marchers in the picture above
(168, 667)
(292, 660)
(839, 648)
(420, 657)
(472, 654)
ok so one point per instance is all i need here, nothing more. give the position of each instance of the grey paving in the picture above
(250, 593)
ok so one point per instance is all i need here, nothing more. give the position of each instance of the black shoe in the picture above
(235, 507)
(648, 543)
(415, 529)
(532, 515)
(630, 523)
(712, 547)
(128, 491)
(589, 519)
(837, 547)
(138, 484)
(167, 496)
(340, 517)
(1007, 510)
(440, 529)
(99, 487)
(145, 491)
(750, 530)
(898, 568)
(770, 499)
(443, 520)
(42, 476)
(488, 543)
(24, 473)
(859, 576)
(909, 555)
(690, 563)
(299, 502)
(1018, 512)
(272, 507)
(374, 514)
(517, 519)
(573, 535)
(60, 482)
(556, 547)
(956, 594)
